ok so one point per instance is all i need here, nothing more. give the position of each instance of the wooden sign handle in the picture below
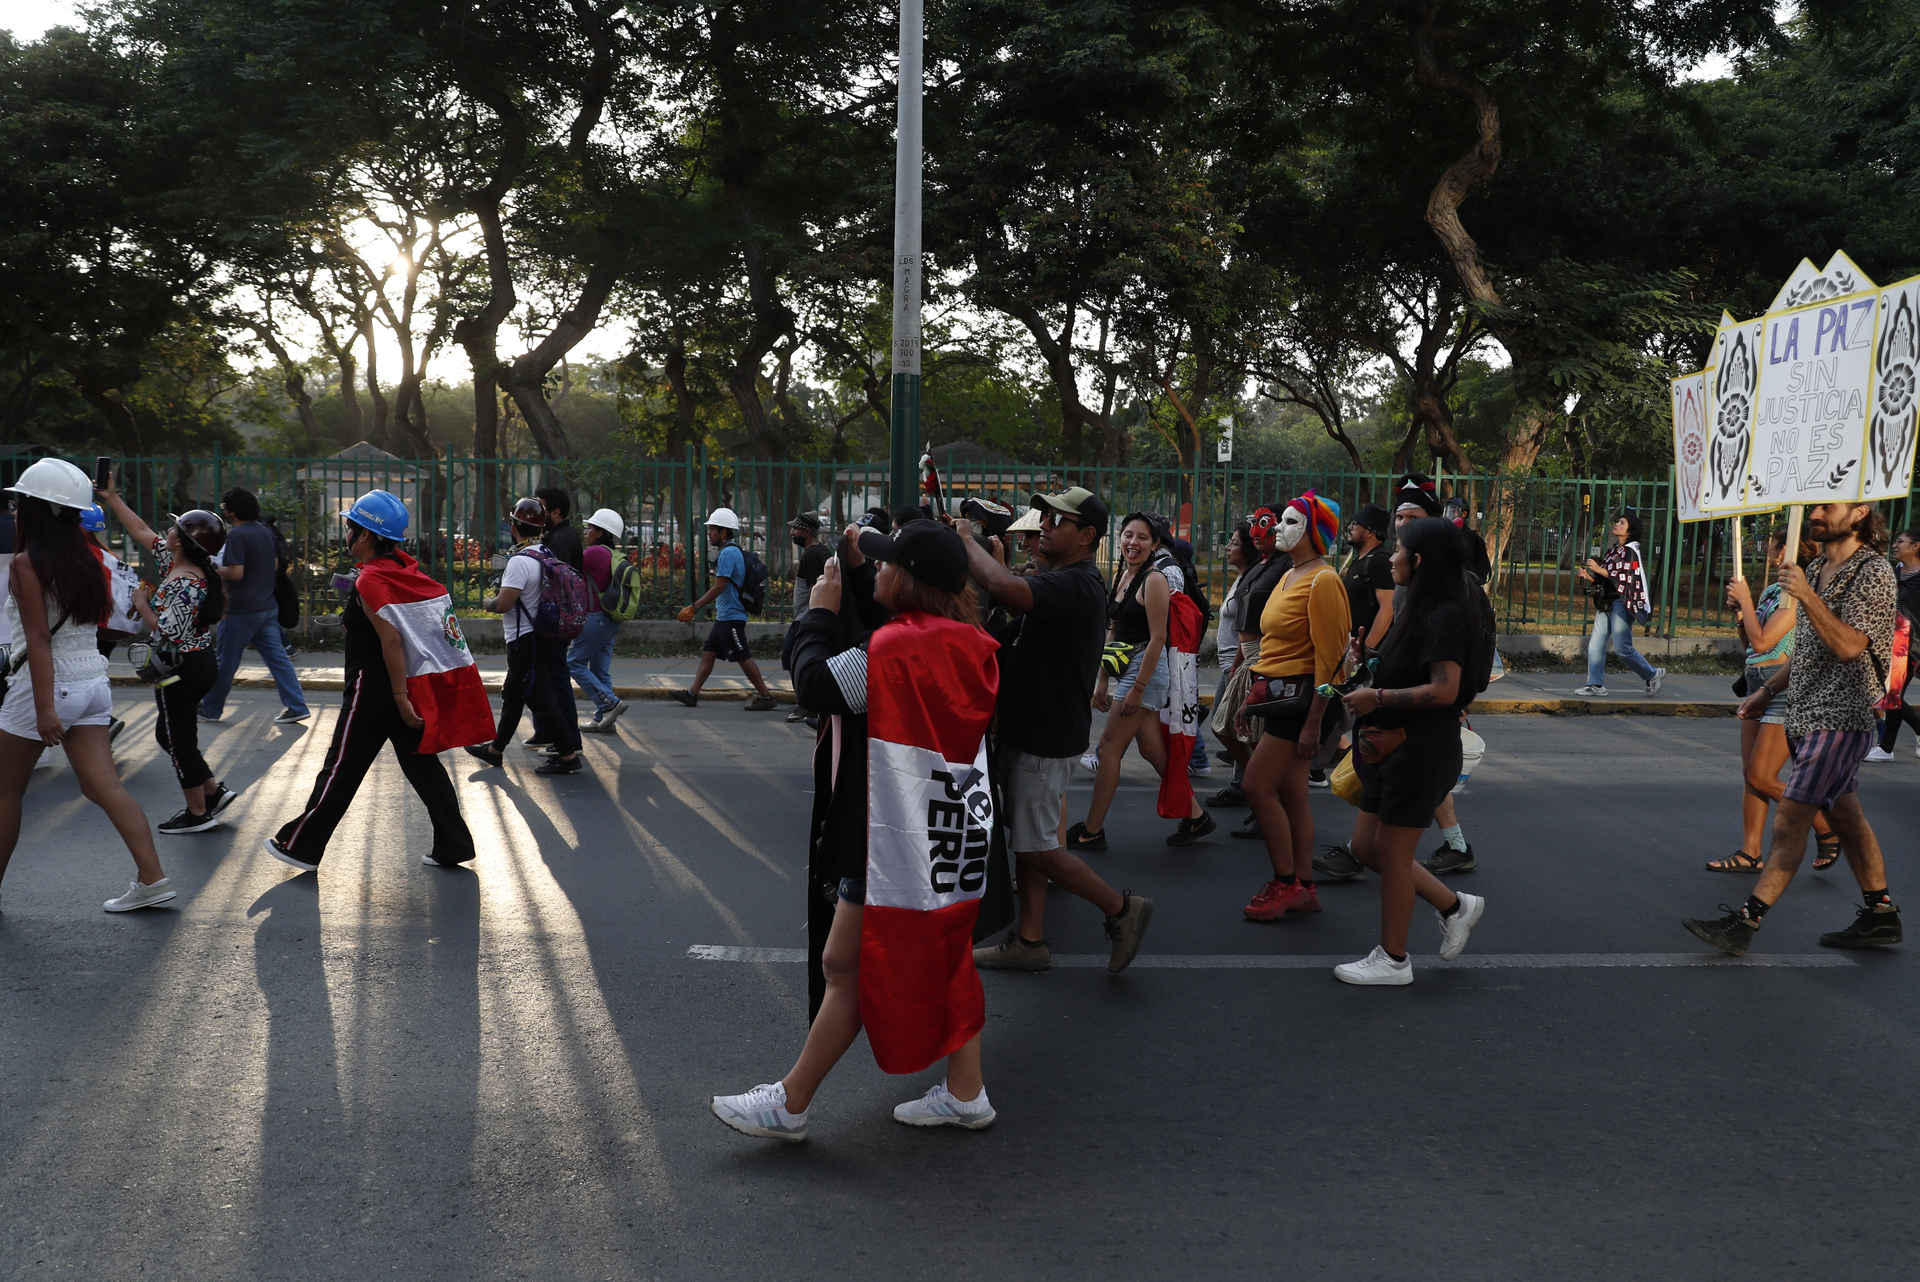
(1791, 553)
(1738, 573)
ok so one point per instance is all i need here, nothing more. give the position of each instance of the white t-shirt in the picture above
(522, 572)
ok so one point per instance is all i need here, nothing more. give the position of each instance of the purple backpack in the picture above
(562, 611)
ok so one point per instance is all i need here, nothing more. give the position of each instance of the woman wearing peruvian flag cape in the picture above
(411, 682)
(901, 840)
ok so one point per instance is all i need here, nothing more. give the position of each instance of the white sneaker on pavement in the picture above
(1653, 686)
(762, 1112)
(1376, 968)
(1877, 753)
(141, 896)
(1455, 929)
(1591, 692)
(938, 1107)
(1089, 761)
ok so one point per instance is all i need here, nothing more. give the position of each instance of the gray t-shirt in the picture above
(250, 544)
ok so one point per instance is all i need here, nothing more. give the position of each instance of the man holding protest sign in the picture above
(1842, 648)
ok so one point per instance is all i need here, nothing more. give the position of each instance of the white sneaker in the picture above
(1376, 968)
(1455, 929)
(141, 896)
(1877, 753)
(1591, 692)
(204, 717)
(1090, 761)
(938, 1107)
(1653, 686)
(1200, 771)
(1916, 749)
(762, 1112)
(279, 852)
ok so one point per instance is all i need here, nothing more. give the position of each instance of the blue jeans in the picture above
(262, 631)
(1614, 621)
(590, 661)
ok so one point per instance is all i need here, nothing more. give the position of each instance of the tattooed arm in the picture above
(1441, 690)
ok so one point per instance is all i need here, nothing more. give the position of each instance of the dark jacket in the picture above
(564, 542)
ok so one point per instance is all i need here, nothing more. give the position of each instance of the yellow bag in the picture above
(1345, 782)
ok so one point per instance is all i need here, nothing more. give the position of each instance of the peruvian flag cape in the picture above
(1180, 719)
(931, 683)
(442, 682)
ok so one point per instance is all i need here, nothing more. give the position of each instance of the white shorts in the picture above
(78, 703)
(1035, 787)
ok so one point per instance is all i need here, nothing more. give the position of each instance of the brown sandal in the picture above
(1827, 852)
(1738, 861)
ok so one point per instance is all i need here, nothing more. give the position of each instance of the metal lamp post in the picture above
(905, 444)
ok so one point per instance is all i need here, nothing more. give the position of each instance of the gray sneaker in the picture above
(762, 1112)
(1455, 929)
(1653, 686)
(1126, 929)
(1249, 827)
(1591, 692)
(1015, 953)
(141, 896)
(1336, 863)
(1447, 859)
(608, 716)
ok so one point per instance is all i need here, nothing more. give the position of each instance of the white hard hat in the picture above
(725, 518)
(609, 520)
(56, 481)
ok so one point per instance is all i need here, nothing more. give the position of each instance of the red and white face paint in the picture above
(1262, 526)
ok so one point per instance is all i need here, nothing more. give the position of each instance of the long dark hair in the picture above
(214, 604)
(1636, 532)
(61, 555)
(1439, 580)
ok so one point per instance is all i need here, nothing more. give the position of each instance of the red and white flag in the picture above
(443, 684)
(931, 684)
(1180, 719)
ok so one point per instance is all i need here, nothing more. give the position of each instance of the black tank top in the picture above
(1129, 613)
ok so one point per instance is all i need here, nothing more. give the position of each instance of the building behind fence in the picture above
(1550, 524)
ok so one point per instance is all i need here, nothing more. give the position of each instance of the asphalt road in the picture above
(387, 1070)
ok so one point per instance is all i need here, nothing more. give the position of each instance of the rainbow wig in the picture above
(1323, 520)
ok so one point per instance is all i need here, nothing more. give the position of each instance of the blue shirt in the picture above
(733, 569)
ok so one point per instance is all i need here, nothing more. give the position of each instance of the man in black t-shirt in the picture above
(1369, 577)
(1045, 716)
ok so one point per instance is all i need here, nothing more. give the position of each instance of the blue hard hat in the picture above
(381, 513)
(92, 518)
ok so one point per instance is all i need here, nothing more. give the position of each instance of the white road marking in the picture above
(1272, 961)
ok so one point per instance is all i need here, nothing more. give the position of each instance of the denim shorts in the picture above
(1778, 705)
(1154, 697)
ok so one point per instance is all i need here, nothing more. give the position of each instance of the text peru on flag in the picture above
(1815, 401)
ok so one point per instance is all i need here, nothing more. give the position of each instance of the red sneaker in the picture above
(1307, 901)
(1270, 903)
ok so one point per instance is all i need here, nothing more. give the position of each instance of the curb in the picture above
(336, 685)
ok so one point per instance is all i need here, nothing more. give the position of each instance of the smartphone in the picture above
(102, 471)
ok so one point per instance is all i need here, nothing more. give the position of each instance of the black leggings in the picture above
(1904, 714)
(175, 728)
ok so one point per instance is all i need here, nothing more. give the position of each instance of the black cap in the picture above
(805, 521)
(927, 550)
(1417, 488)
(1372, 517)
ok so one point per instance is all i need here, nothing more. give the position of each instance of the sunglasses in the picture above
(1051, 518)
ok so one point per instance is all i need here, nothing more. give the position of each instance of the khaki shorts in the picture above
(1035, 788)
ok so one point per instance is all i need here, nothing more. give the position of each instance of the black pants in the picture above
(175, 729)
(537, 678)
(1905, 714)
(369, 721)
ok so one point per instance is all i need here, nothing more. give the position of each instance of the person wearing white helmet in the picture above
(590, 660)
(59, 692)
(728, 639)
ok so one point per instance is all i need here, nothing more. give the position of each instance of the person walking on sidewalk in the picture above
(1842, 646)
(383, 702)
(1621, 596)
(1045, 717)
(187, 603)
(536, 665)
(1906, 569)
(590, 660)
(1767, 626)
(1304, 632)
(57, 594)
(810, 560)
(1407, 748)
(728, 638)
(248, 564)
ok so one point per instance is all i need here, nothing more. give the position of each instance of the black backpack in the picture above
(753, 593)
(1477, 673)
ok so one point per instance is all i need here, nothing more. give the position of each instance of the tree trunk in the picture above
(101, 390)
(681, 432)
(1533, 425)
(526, 378)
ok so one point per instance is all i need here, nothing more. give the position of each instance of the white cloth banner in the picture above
(928, 828)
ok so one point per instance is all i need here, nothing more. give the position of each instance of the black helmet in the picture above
(530, 512)
(204, 528)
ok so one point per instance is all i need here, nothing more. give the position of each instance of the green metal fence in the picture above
(1543, 527)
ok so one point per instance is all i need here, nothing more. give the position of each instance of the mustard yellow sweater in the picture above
(1305, 628)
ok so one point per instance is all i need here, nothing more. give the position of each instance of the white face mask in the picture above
(1293, 525)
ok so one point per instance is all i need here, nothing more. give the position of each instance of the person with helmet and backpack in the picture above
(531, 602)
(1407, 745)
(187, 603)
(380, 705)
(732, 581)
(590, 661)
(58, 692)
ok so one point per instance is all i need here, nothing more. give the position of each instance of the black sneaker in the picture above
(114, 727)
(761, 703)
(1078, 838)
(187, 821)
(1318, 779)
(1249, 827)
(1224, 758)
(1192, 830)
(1447, 859)
(221, 799)
(1730, 934)
(1336, 863)
(536, 745)
(1228, 796)
(487, 753)
(1871, 929)
(560, 766)
(687, 697)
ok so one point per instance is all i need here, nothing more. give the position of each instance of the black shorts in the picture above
(729, 640)
(1288, 725)
(1406, 788)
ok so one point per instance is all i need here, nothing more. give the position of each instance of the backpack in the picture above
(1477, 673)
(753, 593)
(621, 601)
(563, 607)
